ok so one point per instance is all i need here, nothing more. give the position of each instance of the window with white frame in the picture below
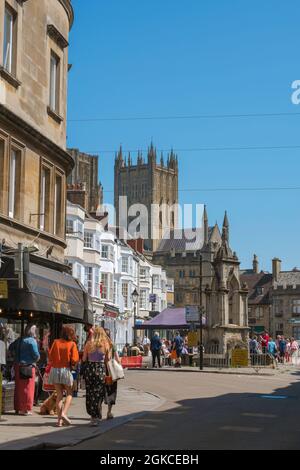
(105, 251)
(88, 279)
(80, 229)
(143, 299)
(111, 287)
(125, 293)
(104, 286)
(78, 272)
(115, 299)
(156, 279)
(97, 243)
(143, 273)
(70, 226)
(97, 283)
(10, 40)
(88, 240)
(124, 264)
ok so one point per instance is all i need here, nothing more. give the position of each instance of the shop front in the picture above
(49, 298)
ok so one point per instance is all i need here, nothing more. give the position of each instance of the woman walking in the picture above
(26, 354)
(95, 356)
(63, 356)
(112, 388)
(294, 351)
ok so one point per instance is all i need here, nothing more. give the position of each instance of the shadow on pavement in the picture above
(233, 421)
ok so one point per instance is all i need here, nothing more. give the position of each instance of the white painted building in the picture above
(111, 270)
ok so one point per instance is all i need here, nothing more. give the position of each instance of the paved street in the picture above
(27, 432)
(211, 411)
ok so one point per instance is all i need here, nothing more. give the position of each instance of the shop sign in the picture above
(192, 314)
(3, 290)
(193, 339)
(239, 358)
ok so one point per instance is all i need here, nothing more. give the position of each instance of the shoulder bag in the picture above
(25, 370)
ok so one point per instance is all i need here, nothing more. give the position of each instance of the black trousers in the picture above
(156, 354)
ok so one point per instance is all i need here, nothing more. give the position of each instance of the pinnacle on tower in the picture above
(152, 153)
(225, 230)
(205, 224)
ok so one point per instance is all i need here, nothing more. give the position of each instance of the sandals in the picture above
(66, 420)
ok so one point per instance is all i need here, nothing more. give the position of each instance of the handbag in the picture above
(116, 370)
(173, 354)
(47, 387)
(25, 370)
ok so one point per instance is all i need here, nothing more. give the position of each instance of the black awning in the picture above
(49, 291)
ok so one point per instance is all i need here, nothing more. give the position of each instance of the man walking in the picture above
(178, 347)
(155, 347)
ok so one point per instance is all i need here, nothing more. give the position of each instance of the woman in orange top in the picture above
(63, 356)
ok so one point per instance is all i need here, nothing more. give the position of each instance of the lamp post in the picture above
(134, 296)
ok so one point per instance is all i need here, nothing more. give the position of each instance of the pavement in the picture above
(39, 432)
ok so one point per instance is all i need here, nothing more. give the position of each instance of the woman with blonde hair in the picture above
(95, 356)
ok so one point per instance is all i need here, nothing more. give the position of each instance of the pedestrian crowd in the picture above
(99, 365)
(284, 350)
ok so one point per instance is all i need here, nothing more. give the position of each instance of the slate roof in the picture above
(180, 240)
(255, 281)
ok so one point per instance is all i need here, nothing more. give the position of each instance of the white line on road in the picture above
(259, 415)
(240, 429)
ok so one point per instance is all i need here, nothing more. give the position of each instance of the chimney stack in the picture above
(276, 268)
(77, 194)
(255, 264)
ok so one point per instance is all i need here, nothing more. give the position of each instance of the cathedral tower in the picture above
(153, 184)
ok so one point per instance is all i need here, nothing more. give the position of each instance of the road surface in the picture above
(211, 411)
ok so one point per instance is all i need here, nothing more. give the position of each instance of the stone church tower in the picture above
(226, 299)
(151, 183)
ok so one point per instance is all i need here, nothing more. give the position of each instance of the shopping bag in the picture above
(115, 370)
(173, 355)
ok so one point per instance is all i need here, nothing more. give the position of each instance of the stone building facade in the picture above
(153, 184)
(34, 162)
(223, 294)
(34, 165)
(85, 172)
(285, 317)
(259, 297)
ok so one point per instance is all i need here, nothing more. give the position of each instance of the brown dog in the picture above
(49, 405)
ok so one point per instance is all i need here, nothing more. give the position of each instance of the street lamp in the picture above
(134, 296)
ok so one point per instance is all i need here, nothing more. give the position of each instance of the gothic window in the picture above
(234, 301)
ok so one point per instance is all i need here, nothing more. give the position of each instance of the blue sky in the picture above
(172, 58)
